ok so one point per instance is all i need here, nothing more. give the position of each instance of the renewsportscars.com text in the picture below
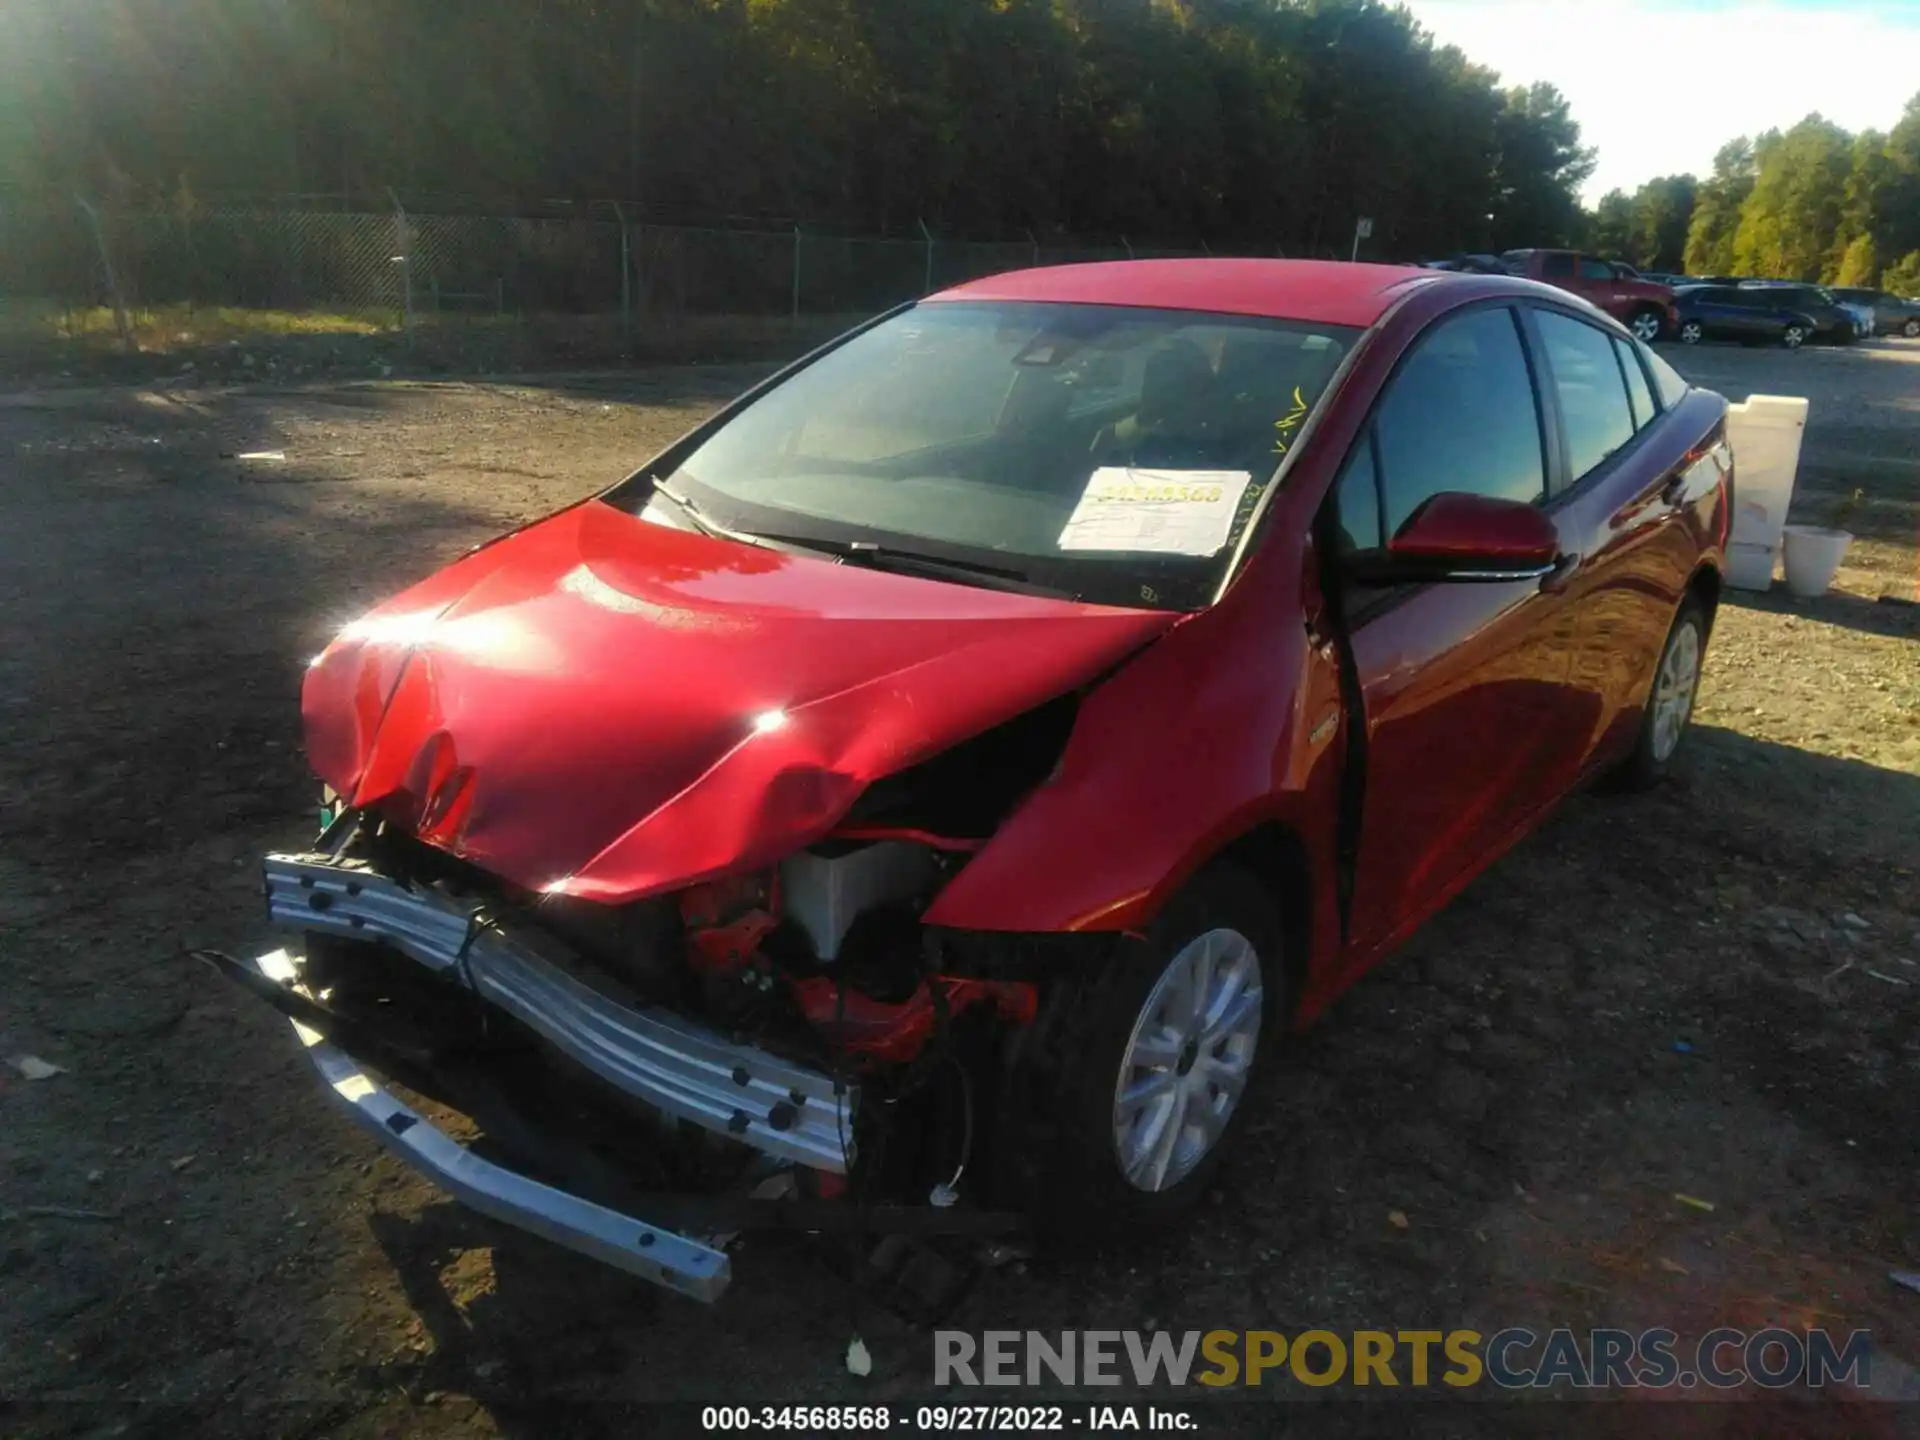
(1514, 1358)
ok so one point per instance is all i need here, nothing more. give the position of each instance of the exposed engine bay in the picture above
(798, 1028)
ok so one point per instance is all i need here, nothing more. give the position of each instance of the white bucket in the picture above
(1813, 554)
(1750, 567)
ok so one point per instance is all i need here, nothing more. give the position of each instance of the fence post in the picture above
(626, 282)
(1031, 240)
(926, 287)
(796, 272)
(1127, 245)
(404, 259)
(106, 264)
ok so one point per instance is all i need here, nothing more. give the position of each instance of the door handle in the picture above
(1561, 575)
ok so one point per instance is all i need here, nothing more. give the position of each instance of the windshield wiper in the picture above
(869, 553)
(891, 557)
(697, 517)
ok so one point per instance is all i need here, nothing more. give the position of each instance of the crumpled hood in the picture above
(605, 707)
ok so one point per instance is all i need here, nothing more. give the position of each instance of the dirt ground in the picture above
(1710, 990)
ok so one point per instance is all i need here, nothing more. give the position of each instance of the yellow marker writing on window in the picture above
(1290, 422)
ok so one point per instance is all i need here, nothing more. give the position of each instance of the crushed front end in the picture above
(790, 1049)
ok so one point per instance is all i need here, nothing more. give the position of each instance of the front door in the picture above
(1471, 726)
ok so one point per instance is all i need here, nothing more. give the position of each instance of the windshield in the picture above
(1106, 452)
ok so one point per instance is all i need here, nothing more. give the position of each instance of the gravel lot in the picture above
(1708, 990)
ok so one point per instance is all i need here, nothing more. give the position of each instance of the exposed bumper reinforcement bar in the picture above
(683, 1069)
(675, 1261)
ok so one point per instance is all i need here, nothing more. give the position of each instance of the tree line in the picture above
(1811, 203)
(1258, 125)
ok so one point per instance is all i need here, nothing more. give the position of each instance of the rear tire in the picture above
(1793, 337)
(1670, 699)
(1127, 1106)
(1911, 329)
(1692, 332)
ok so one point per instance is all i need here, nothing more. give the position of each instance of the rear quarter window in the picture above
(1668, 383)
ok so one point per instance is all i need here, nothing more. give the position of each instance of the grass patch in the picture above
(161, 330)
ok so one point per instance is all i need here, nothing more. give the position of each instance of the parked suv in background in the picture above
(1830, 319)
(1729, 312)
(1891, 314)
(1643, 307)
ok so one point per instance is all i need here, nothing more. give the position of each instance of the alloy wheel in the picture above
(1691, 333)
(1911, 329)
(1646, 326)
(1794, 337)
(1674, 687)
(1187, 1061)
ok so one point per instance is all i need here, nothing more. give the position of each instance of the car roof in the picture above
(1324, 292)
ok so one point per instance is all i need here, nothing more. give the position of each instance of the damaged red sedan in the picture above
(943, 778)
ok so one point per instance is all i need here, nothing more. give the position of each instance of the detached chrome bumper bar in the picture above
(676, 1261)
(679, 1068)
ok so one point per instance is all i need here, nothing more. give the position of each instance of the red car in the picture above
(948, 773)
(1644, 306)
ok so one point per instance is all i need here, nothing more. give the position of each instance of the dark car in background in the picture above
(1891, 314)
(1731, 312)
(1831, 323)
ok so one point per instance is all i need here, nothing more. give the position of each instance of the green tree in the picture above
(1789, 221)
(1716, 212)
(1859, 265)
(1612, 231)
(1662, 213)
(1538, 169)
(1904, 277)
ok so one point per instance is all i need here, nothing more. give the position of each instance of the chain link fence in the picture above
(163, 276)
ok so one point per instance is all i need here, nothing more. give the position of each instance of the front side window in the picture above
(1592, 392)
(1357, 501)
(1109, 452)
(1460, 415)
(1595, 270)
(1557, 267)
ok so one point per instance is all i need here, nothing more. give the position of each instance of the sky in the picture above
(1659, 87)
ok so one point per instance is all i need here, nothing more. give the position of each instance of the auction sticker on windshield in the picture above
(1166, 512)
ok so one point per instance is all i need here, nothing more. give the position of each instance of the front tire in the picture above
(1670, 699)
(1692, 332)
(1911, 329)
(1645, 325)
(1793, 337)
(1134, 1082)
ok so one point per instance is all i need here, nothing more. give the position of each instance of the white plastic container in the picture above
(1750, 567)
(1764, 435)
(1813, 554)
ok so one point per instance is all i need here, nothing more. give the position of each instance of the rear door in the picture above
(1749, 313)
(1629, 482)
(1470, 727)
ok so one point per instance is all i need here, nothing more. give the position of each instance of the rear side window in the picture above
(1460, 415)
(1596, 270)
(1593, 393)
(1637, 390)
(1558, 267)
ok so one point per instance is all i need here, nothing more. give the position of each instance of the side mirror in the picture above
(1460, 537)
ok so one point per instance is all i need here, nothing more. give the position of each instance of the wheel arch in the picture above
(1274, 855)
(1705, 585)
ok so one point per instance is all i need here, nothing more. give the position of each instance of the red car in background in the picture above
(950, 771)
(1643, 306)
